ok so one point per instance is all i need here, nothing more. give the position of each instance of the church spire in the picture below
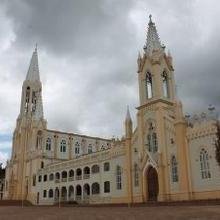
(33, 71)
(153, 40)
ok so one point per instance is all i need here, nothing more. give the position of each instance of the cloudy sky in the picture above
(87, 57)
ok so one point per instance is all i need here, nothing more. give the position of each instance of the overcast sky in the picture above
(87, 58)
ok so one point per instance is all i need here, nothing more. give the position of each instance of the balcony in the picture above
(71, 178)
(78, 177)
(86, 176)
(57, 180)
(64, 180)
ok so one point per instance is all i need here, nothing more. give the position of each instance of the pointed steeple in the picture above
(128, 116)
(153, 40)
(33, 71)
(128, 124)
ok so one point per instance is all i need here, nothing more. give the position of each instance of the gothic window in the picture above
(45, 178)
(106, 187)
(149, 86)
(45, 194)
(95, 188)
(77, 148)
(95, 169)
(48, 144)
(152, 144)
(90, 149)
(204, 164)
(63, 146)
(50, 193)
(27, 98)
(136, 175)
(51, 177)
(165, 85)
(42, 165)
(34, 180)
(106, 166)
(118, 177)
(39, 178)
(34, 101)
(174, 169)
(39, 140)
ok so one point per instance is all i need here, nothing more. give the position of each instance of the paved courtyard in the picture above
(114, 213)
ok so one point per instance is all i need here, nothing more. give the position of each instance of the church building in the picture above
(166, 157)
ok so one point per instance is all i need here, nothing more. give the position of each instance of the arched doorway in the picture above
(152, 184)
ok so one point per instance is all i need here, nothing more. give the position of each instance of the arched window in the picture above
(71, 173)
(34, 101)
(136, 175)
(45, 177)
(204, 164)
(149, 86)
(48, 144)
(89, 149)
(51, 177)
(152, 144)
(107, 187)
(57, 176)
(77, 148)
(34, 180)
(118, 177)
(63, 146)
(95, 169)
(39, 140)
(50, 193)
(106, 166)
(95, 188)
(174, 169)
(165, 84)
(27, 99)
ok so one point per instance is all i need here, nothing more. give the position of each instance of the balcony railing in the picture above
(57, 180)
(78, 177)
(64, 179)
(71, 178)
(86, 176)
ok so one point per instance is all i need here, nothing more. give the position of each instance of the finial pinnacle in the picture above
(36, 47)
(150, 17)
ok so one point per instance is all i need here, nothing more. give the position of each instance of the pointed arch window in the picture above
(118, 177)
(89, 149)
(77, 148)
(48, 144)
(63, 146)
(152, 144)
(27, 99)
(174, 169)
(34, 101)
(204, 164)
(39, 140)
(136, 175)
(165, 84)
(149, 85)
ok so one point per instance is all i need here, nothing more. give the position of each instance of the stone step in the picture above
(15, 203)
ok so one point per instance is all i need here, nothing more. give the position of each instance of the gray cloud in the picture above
(87, 55)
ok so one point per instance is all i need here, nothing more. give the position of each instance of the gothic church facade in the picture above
(167, 157)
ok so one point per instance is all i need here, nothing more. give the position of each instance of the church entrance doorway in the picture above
(152, 184)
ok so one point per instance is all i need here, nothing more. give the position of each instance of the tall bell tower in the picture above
(27, 151)
(158, 113)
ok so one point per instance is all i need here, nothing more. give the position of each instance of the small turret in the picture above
(128, 124)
